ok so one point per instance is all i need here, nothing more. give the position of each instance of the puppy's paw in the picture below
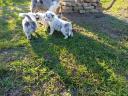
(71, 35)
(66, 37)
(29, 37)
(50, 33)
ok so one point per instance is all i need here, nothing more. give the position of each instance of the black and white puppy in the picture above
(57, 24)
(29, 23)
(44, 5)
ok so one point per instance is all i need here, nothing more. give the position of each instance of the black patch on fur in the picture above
(41, 1)
(52, 15)
(66, 25)
(59, 26)
(27, 24)
(28, 17)
(33, 25)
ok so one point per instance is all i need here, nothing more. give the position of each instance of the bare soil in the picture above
(98, 21)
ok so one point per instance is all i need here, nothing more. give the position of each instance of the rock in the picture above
(81, 6)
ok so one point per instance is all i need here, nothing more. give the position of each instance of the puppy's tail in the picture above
(25, 15)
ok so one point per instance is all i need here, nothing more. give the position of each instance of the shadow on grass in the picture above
(90, 61)
(8, 31)
(10, 23)
(84, 61)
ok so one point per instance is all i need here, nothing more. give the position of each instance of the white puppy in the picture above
(57, 24)
(29, 23)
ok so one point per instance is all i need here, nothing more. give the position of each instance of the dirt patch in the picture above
(98, 22)
(12, 54)
(11, 50)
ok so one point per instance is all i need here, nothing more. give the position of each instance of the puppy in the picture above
(44, 5)
(58, 24)
(29, 23)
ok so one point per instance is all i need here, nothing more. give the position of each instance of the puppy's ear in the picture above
(52, 15)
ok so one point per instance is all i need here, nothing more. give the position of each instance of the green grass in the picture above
(92, 63)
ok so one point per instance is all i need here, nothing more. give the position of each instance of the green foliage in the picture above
(92, 63)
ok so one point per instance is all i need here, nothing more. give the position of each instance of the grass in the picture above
(92, 63)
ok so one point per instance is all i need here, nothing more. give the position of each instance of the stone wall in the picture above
(81, 6)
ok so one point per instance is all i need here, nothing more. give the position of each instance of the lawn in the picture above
(92, 63)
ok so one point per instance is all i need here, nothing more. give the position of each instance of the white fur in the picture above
(54, 6)
(51, 5)
(29, 24)
(58, 24)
